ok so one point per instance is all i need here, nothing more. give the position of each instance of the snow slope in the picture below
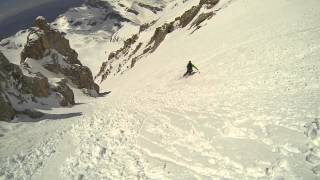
(250, 114)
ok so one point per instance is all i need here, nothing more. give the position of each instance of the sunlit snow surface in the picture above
(248, 115)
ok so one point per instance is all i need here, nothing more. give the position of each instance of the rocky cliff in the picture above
(21, 91)
(52, 50)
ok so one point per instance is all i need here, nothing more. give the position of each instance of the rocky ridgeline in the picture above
(190, 17)
(52, 50)
(116, 55)
(21, 90)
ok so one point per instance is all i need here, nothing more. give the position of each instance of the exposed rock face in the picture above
(66, 92)
(10, 77)
(208, 3)
(106, 68)
(154, 9)
(135, 50)
(44, 38)
(18, 89)
(82, 77)
(160, 34)
(189, 18)
(37, 85)
(202, 17)
(132, 11)
(53, 51)
(126, 46)
(146, 26)
(7, 112)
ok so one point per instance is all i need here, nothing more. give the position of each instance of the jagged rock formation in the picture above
(153, 9)
(37, 85)
(44, 38)
(158, 36)
(20, 87)
(124, 50)
(53, 51)
(106, 67)
(146, 26)
(190, 17)
(66, 92)
(202, 17)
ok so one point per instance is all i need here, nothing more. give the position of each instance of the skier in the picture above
(190, 71)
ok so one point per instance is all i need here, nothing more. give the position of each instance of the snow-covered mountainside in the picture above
(252, 112)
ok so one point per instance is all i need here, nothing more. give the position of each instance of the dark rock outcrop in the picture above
(208, 3)
(202, 17)
(19, 87)
(145, 26)
(66, 92)
(132, 11)
(37, 85)
(7, 112)
(182, 21)
(125, 48)
(106, 67)
(45, 38)
(154, 9)
(159, 35)
(136, 50)
(188, 16)
(44, 41)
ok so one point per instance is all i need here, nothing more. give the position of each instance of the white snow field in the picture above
(250, 114)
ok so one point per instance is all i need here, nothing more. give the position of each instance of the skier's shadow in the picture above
(189, 74)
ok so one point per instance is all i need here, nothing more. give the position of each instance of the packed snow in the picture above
(252, 112)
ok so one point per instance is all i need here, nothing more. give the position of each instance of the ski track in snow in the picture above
(24, 165)
(161, 134)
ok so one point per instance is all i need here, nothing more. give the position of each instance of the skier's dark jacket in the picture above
(190, 66)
